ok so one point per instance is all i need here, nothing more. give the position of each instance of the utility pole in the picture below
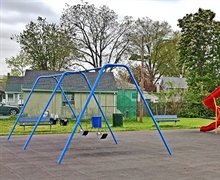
(142, 77)
(141, 57)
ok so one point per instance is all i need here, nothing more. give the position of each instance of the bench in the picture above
(166, 118)
(45, 121)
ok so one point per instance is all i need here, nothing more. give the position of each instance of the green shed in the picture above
(127, 100)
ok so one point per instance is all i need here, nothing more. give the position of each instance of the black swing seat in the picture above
(64, 122)
(85, 133)
(53, 121)
(104, 135)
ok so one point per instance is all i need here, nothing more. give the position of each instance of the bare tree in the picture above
(98, 34)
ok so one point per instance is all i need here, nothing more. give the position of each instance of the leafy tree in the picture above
(18, 64)
(47, 45)
(158, 44)
(99, 35)
(199, 50)
(4, 79)
(199, 54)
(15, 72)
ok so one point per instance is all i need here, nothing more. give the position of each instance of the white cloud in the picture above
(27, 10)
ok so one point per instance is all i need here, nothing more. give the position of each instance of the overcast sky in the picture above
(15, 14)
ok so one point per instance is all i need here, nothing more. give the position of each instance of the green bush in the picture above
(193, 106)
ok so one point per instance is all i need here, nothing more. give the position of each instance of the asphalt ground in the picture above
(138, 155)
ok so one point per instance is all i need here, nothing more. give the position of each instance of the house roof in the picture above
(174, 82)
(14, 84)
(72, 82)
(125, 85)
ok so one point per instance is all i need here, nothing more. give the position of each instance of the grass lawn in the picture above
(128, 125)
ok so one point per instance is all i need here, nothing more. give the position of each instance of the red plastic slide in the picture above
(209, 103)
(210, 127)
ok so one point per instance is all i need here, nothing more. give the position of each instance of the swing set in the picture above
(79, 118)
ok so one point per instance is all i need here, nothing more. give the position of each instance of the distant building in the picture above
(169, 83)
(2, 87)
(166, 84)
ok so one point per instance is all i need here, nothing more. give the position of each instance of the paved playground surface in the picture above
(138, 155)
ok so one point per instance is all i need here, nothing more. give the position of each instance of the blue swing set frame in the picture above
(79, 118)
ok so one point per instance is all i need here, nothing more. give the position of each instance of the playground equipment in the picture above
(78, 119)
(210, 102)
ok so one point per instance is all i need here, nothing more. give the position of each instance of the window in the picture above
(70, 97)
(134, 95)
(20, 99)
(10, 97)
(20, 96)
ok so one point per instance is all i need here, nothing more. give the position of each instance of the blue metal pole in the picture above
(50, 99)
(32, 90)
(71, 108)
(145, 103)
(85, 106)
(91, 94)
(150, 112)
(100, 108)
(80, 116)
(45, 108)
(25, 104)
